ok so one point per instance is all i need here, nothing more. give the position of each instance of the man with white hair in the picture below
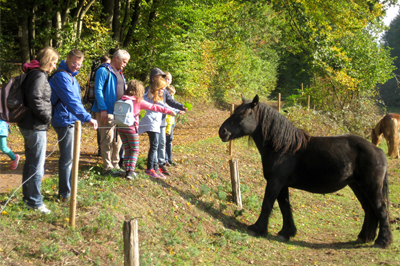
(109, 87)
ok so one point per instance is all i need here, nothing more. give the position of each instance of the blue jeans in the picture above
(161, 146)
(66, 145)
(35, 152)
(152, 156)
(168, 146)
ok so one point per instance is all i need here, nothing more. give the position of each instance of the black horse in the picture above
(293, 158)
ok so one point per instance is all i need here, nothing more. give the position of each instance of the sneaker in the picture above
(151, 173)
(172, 164)
(130, 175)
(14, 164)
(164, 170)
(43, 209)
(160, 174)
(66, 199)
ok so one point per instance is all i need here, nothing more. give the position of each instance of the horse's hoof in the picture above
(381, 244)
(253, 230)
(282, 238)
(361, 241)
(378, 246)
(251, 233)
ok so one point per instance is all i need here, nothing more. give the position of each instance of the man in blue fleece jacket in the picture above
(68, 107)
(109, 87)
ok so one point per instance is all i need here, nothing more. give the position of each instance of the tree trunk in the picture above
(82, 14)
(23, 35)
(32, 32)
(49, 25)
(126, 19)
(109, 12)
(75, 13)
(129, 39)
(117, 20)
(57, 24)
(64, 12)
(23, 32)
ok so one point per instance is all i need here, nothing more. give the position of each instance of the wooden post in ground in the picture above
(74, 174)
(237, 198)
(279, 102)
(230, 148)
(131, 243)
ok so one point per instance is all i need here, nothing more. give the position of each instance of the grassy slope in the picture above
(190, 219)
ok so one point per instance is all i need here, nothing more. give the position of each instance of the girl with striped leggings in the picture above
(129, 135)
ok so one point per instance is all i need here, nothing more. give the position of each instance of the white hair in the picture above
(122, 54)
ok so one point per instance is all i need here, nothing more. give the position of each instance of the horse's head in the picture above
(242, 122)
(375, 138)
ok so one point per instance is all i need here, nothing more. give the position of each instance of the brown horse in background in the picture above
(388, 126)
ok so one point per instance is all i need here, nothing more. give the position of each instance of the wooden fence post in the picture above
(74, 174)
(131, 243)
(279, 102)
(237, 198)
(230, 148)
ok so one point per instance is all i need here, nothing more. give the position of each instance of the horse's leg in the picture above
(377, 201)
(261, 226)
(288, 228)
(368, 231)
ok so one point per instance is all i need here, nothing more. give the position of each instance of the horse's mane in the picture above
(278, 131)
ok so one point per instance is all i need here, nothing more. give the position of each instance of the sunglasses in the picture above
(76, 64)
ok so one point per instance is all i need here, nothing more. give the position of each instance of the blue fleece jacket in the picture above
(105, 97)
(66, 89)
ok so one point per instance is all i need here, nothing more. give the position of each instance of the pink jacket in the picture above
(145, 105)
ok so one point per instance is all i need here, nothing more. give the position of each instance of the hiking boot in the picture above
(164, 170)
(43, 209)
(14, 164)
(130, 175)
(160, 174)
(170, 164)
(113, 173)
(151, 173)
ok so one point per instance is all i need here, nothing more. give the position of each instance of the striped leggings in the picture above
(130, 142)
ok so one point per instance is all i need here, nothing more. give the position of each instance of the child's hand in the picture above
(173, 113)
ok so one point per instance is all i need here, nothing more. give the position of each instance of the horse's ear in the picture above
(243, 99)
(255, 101)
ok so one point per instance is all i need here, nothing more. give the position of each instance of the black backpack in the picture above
(12, 100)
(89, 93)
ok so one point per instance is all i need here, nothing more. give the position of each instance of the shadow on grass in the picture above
(228, 221)
(233, 223)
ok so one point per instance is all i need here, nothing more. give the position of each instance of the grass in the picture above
(190, 219)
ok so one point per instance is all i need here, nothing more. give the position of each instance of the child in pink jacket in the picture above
(130, 136)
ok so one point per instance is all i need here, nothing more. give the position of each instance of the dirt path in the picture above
(202, 122)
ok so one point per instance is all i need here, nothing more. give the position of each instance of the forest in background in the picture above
(217, 49)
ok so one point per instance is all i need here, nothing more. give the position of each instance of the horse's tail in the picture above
(393, 140)
(385, 190)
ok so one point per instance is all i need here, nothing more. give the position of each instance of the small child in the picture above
(3, 145)
(130, 136)
(169, 131)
